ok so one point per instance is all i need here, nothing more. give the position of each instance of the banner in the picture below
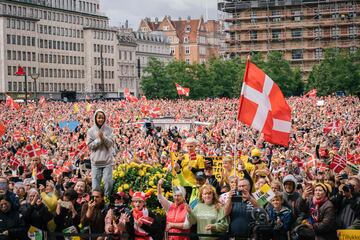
(264, 195)
(70, 124)
(217, 166)
(348, 234)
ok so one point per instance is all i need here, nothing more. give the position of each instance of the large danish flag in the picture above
(263, 106)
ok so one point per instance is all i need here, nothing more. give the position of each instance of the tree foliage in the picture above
(223, 78)
(339, 71)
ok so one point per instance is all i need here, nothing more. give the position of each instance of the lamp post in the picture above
(34, 77)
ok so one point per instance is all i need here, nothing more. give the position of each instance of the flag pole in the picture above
(237, 119)
(248, 60)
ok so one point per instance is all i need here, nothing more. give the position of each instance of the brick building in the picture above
(191, 40)
(302, 29)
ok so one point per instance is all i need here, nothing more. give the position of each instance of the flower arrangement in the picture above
(143, 177)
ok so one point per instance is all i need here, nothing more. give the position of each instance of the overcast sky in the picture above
(134, 10)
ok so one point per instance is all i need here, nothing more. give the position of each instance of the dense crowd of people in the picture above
(56, 180)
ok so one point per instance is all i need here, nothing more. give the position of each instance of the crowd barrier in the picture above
(342, 234)
(94, 236)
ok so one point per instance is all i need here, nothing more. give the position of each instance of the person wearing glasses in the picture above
(192, 162)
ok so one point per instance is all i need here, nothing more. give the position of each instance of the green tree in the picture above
(156, 82)
(339, 71)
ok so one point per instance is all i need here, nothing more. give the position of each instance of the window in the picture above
(297, 54)
(318, 53)
(186, 40)
(187, 50)
(188, 28)
(276, 16)
(172, 50)
(253, 35)
(352, 31)
(295, 33)
(187, 60)
(276, 34)
(9, 86)
(335, 32)
(165, 28)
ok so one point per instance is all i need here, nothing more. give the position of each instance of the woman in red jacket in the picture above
(176, 212)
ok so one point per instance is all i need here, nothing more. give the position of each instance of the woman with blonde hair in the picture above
(208, 214)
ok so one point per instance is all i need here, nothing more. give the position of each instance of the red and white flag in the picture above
(50, 165)
(182, 91)
(129, 97)
(11, 103)
(154, 112)
(334, 126)
(14, 161)
(33, 150)
(263, 106)
(311, 93)
(338, 163)
(353, 158)
(42, 100)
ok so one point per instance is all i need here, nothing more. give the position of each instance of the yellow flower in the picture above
(151, 183)
(121, 174)
(120, 189)
(126, 186)
(141, 173)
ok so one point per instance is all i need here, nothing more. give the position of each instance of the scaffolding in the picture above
(301, 29)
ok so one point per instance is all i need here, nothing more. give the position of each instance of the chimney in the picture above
(188, 18)
(126, 24)
(156, 20)
(180, 19)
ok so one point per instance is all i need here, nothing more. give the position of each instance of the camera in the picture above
(119, 209)
(343, 176)
(237, 196)
(348, 188)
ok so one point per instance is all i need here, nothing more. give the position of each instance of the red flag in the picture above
(129, 97)
(2, 129)
(311, 93)
(182, 91)
(50, 165)
(17, 135)
(154, 112)
(42, 100)
(10, 103)
(334, 126)
(20, 152)
(338, 163)
(33, 150)
(263, 106)
(312, 162)
(353, 158)
(14, 161)
(20, 71)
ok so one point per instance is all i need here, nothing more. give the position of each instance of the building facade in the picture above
(301, 29)
(192, 40)
(67, 42)
(151, 45)
(127, 63)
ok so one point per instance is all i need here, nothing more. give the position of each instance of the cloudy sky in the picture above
(134, 10)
